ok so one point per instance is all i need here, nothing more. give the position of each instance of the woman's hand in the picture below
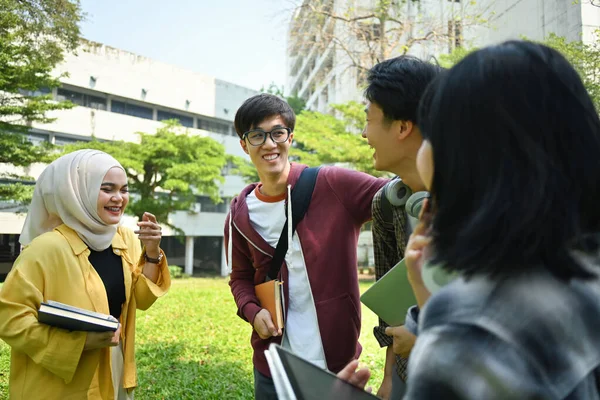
(100, 340)
(416, 253)
(417, 243)
(150, 234)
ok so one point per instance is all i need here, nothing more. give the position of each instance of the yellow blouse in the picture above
(49, 362)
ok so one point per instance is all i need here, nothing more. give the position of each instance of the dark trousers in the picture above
(398, 386)
(264, 388)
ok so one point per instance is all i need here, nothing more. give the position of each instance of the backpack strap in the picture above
(301, 196)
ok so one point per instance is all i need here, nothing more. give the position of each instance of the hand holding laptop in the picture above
(358, 378)
(297, 379)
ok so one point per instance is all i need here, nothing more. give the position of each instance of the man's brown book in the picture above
(270, 295)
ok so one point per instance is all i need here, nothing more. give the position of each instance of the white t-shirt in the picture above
(267, 216)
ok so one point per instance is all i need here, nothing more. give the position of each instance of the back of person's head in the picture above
(396, 86)
(259, 107)
(516, 151)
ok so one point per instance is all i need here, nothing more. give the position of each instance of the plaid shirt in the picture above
(389, 243)
(525, 337)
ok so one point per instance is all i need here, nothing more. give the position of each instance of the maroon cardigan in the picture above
(340, 205)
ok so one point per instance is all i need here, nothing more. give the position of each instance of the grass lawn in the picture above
(192, 345)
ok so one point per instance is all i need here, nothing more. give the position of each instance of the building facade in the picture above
(536, 19)
(326, 61)
(119, 93)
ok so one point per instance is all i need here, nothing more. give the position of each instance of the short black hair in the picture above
(261, 106)
(516, 150)
(396, 86)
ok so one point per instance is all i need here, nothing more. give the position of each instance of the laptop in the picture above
(298, 379)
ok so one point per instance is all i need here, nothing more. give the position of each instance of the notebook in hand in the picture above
(391, 296)
(270, 295)
(74, 318)
(298, 379)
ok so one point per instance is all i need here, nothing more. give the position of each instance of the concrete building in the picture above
(119, 93)
(536, 19)
(323, 51)
(328, 58)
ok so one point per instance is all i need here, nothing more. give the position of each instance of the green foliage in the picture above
(245, 169)
(176, 272)
(16, 150)
(448, 60)
(37, 33)
(297, 103)
(190, 349)
(18, 193)
(324, 139)
(369, 32)
(166, 170)
(585, 58)
(273, 89)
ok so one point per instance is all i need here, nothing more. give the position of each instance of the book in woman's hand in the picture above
(74, 318)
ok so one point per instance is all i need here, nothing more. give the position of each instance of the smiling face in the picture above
(270, 158)
(113, 196)
(382, 136)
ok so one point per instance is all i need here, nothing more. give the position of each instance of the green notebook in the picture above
(391, 296)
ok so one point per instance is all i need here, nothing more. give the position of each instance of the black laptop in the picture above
(298, 379)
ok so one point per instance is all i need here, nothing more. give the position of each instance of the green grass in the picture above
(192, 345)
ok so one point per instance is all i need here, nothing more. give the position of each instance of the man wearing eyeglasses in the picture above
(322, 316)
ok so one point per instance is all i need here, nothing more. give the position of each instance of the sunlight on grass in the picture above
(191, 345)
(4, 369)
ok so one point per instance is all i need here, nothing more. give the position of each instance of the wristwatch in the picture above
(154, 260)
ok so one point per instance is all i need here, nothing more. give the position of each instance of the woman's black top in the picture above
(110, 268)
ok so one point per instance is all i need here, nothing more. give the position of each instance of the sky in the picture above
(240, 41)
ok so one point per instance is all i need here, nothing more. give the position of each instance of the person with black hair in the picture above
(394, 90)
(511, 155)
(320, 274)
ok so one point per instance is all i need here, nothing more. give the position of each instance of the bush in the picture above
(176, 271)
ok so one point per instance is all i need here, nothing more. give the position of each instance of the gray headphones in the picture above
(399, 194)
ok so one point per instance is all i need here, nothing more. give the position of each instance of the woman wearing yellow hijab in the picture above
(77, 253)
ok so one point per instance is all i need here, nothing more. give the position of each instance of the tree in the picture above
(166, 170)
(34, 36)
(595, 3)
(448, 60)
(298, 104)
(584, 57)
(586, 60)
(324, 139)
(386, 28)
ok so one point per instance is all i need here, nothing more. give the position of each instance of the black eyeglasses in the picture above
(258, 137)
